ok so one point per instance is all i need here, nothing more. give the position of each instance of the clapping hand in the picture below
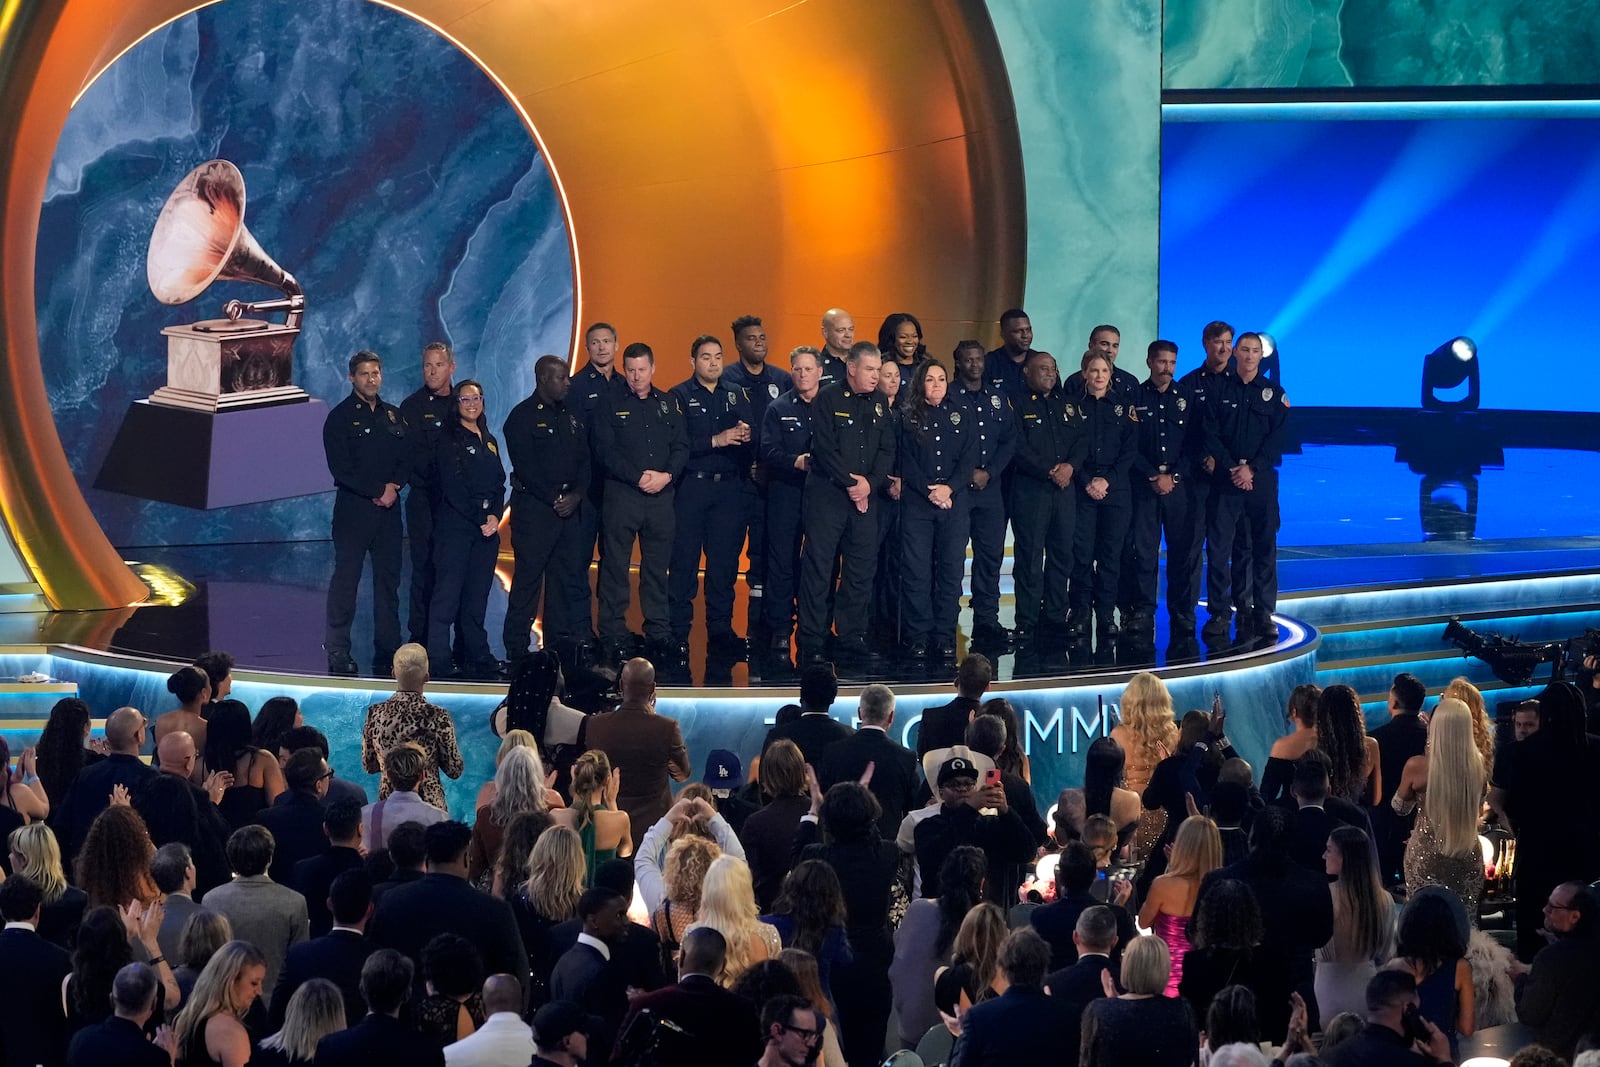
(613, 788)
(1108, 983)
(167, 1042)
(143, 923)
(99, 746)
(119, 796)
(815, 789)
(218, 783)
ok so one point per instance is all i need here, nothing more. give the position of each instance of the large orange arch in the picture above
(715, 157)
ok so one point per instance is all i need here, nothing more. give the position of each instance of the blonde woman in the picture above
(1147, 731)
(1482, 732)
(35, 855)
(315, 1011)
(605, 831)
(519, 787)
(550, 896)
(1139, 1026)
(1448, 780)
(973, 975)
(728, 906)
(210, 1028)
(1196, 852)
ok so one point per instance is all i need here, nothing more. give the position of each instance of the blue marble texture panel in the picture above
(383, 169)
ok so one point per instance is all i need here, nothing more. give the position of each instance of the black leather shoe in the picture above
(342, 663)
(917, 651)
(943, 652)
(1216, 628)
(857, 651)
(727, 645)
(1077, 628)
(992, 638)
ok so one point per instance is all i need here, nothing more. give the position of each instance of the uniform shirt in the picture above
(851, 433)
(588, 386)
(425, 413)
(1166, 421)
(1113, 440)
(1050, 430)
(939, 452)
(1003, 375)
(762, 389)
(472, 478)
(786, 436)
(633, 434)
(366, 447)
(1123, 383)
(1203, 386)
(833, 369)
(548, 450)
(993, 426)
(1244, 424)
(706, 413)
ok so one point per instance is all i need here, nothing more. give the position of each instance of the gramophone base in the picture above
(206, 460)
(169, 396)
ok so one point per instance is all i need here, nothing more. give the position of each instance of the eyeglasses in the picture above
(1551, 905)
(808, 1036)
(471, 400)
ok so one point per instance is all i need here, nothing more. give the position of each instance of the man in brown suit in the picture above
(647, 748)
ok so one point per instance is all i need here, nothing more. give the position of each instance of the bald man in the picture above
(503, 1040)
(838, 334)
(126, 730)
(645, 746)
(176, 758)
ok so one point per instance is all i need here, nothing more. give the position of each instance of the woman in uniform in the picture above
(1105, 501)
(935, 456)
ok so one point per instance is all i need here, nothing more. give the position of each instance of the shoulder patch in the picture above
(1285, 399)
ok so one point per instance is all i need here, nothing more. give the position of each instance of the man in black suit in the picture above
(296, 825)
(1391, 994)
(1094, 937)
(311, 737)
(946, 724)
(986, 735)
(443, 901)
(33, 1029)
(1057, 922)
(561, 1035)
(638, 955)
(894, 767)
(341, 822)
(337, 955)
(714, 1028)
(1403, 736)
(585, 975)
(172, 868)
(120, 1039)
(1317, 814)
(1561, 997)
(175, 759)
(814, 731)
(1015, 1026)
(381, 1037)
(408, 856)
(91, 790)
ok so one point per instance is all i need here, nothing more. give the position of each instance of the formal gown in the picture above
(1172, 930)
(1426, 865)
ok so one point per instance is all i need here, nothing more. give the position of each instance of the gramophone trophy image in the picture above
(230, 426)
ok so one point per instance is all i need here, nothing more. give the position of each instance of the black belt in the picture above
(711, 476)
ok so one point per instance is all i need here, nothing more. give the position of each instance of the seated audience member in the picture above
(560, 1035)
(716, 1027)
(403, 804)
(113, 866)
(296, 824)
(380, 1037)
(1013, 1027)
(231, 749)
(585, 973)
(1230, 1019)
(925, 936)
(1140, 1025)
(120, 1039)
(316, 1010)
(768, 835)
(645, 747)
(1227, 950)
(452, 975)
(277, 716)
(503, 1040)
(1004, 839)
(1385, 1041)
(90, 793)
(337, 956)
(519, 789)
(203, 933)
(894, 767)
(33, 1027)
(407, 856)
(814, 731)
(1070, 814)
(341, 822)
(210, 1029)
(173, 871)
(792, 1031)
(639, 954)
(409, 717)
(270, 916)
(1057, 921)
(311, 737)
(1085, 980)
(1431, 943)
(36, 856)
(1561, 997)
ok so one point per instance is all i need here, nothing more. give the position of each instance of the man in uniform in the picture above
(993, 428)
(549, 480)
(365, 443)
(1052, 442)
(763, 384)
(637, 433)
(1204, 383)
(590, 386)
(838, 335)
(713, 501)
(852, 455)
(1105, 340)
(786, 457)
(1003, 366)
(426, 410)
(1244, 439)
(1162, 501)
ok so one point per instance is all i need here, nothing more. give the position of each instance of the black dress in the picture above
(1151, 1032)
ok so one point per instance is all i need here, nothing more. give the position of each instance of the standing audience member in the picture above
(296, 824)
(337, 956)
(1357, 773)
(1386, 1040)
(311, 737)
(645, 747)
(1196, 852)
(172, 812)
(1005, 841)
(815, 730)
(683, 874)
(1482, 729)
(255, 778)
(113, 867)
(20, 802)
(203, 933)
(277, 716)
(1227, 950)
(974, 972)
(105, 945)
(380, 1037)
(519, 788)
(1363, 924)
(604, 830)
(503, 1040)
(1015, 1026)
(64, 748)
(1301, 738)
(1561, 997)
(210, 1028)
(407, 855)
(946, 724)
(174, 874)
(1076, 873)
(313, 877)
(193, 689)
(561, 1035)
(316, 1010)
(36, 857)
(1400, 739)
(718, 1028)
(809, 915)
(120, 1039)
(512, 868)
(549, 896)
(768, 834)
(803, 965)
(585, 974)
(33, 1025)
(728, 905)
(894, 768)
(452, 974)
(639, 954)
(90, 792)
(404, 764)
(1086, 980)
(987, 735)
(1140, 1025)
(1444, 789)
(1431, 946)
(407, 716)
(270, 916)
(1147, 732)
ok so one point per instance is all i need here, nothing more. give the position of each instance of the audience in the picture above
(585, 974)
(380, 1037)
(1391, 1037)
(407, 717)
(172, 867)
(1196, 852)
(120, 1039)
(961, 820)
(1402, 738)
(35, 856)
(1561, 996)
(1431, 945)
(296, 821)
(1301, 717)
(406, 855)
(452, 975)
(210, 1028)
(728, 906)
(1088, 978)
(560, 1035)
(1363, 924)
(63, 749)
(519, 790)
(803, 965)
(113, 866)
(91, 792)
(341, 822)
(946, 724)
(1024, 1020)
(337, 956)
(1076, 875)
(549, 896)
(192, 687)
(814, 731)
(1147, 733)
(404, 764)
(310, 737)
(269, 916)
(203, 933)
(710, 1025)
(33, 1024)
(809, 915)
(894, 767)
(516, 852)
(1140, 1025)
(1227, 950)
(925, 936)
(974, 972)
(231, 749)
(792, 1030)
(316, 1009)
(503, 1039)
(605, 831)
(645, 749)
(768, 834)
(640, 955)
(278, 715)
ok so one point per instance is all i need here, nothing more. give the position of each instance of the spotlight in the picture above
(1271, 366)
(1446, 368)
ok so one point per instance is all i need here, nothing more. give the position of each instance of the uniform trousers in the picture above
(631, 515)
(755, 525)
(785, 535)
(1233, 513)
(710, 517)
(419, 534)
(888, 587)
(986, 517)
(463, 571)
(1203, 487)
(1043, 518)
(835, 529)
(361, 528)
(1171, 516)
(549, 552)
(934, 542)
(1097, 545)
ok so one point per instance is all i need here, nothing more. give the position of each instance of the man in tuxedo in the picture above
(341, 822)
(270, 916)
(1094, 937)
(894, 766)
(1013, 1027)
(120, 1039)
(815, 731)
(638, 955)
(713, 1027)
(946, 724)
(1403, 736)
(1317, 814)
(1058, 921)
(646, 747)
(91, 790)
(172, 867)
(503, 1040)
(33, 1029)
(337, 955)
(297, 824)
(443, 901)
(381, 1037)
(585, 975)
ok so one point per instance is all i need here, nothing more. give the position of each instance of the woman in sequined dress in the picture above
(1447, 781)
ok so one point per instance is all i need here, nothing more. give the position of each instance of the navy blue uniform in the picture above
(549, 455)
(425, 413)
(1204, 385)
(1166, 431)
(992, 424)
(1050, 431)
(472, 491)
(1004, 374)
(1123, 384)
(587, 389)
(885, 608)
(851, 434)
(938, 452)
(367, 449)
(712, 506)
(1244, 425)
(762, 389)
(630, 435)
(1102, 525)
(785, 437)
(833, 370)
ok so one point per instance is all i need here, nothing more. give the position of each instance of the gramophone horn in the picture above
(201, 237)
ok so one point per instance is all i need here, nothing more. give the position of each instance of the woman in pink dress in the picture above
(1196, 852)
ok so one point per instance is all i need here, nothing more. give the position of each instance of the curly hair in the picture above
(960, 890)
(684, 869)
(1482, 733)
(814, 899)
(1229, 916)
(114, 864)
(850, 812)
(60, 747)
(1146, 710)
(555, 874)
(1342, 736)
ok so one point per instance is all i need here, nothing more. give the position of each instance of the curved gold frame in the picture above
(714, 157)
